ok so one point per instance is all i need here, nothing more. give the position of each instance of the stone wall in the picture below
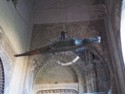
(67, 10)
(43, 33)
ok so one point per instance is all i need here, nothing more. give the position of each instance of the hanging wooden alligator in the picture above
(72, 44)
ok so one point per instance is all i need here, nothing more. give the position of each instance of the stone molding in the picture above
(58, 91)
(56, 88)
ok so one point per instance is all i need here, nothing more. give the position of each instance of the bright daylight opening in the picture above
(123, 29)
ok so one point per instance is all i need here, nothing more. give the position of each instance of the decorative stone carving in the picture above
(6, 55)
(58, 91)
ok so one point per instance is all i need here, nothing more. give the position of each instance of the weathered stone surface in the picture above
(8, 61)
(68, 10)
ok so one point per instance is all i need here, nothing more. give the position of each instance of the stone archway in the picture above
(83, 72)
(52, 77)
(47, 61)
(58, 91)
(7, 59)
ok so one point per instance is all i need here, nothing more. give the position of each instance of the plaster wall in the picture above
(25, 10)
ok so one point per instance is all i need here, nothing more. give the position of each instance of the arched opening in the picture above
(88, 75)
(123, 28)
(53, 78)
(2, 78)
